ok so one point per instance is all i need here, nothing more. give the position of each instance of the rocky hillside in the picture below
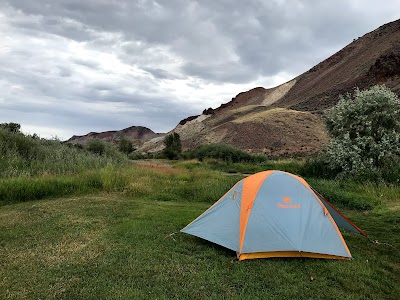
(371, 59)
(287, 119)
(136, 134)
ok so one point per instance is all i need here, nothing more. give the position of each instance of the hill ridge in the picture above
(373, 58)
(136, 134)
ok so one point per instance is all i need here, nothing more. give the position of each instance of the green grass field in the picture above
(111, 239)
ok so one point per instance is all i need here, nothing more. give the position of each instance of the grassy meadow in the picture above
(108, 234)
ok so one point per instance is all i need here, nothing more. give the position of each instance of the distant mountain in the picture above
(136, 134)
(287, 119)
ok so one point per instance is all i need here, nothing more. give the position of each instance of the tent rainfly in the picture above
(274, 214)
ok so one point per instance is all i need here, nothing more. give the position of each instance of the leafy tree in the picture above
(11, 127)
(96, 146)
(125, 145)
(365, 132)
(35, 136)
(173, 146)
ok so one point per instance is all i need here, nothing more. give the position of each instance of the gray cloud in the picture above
(79, 66)
(161, 73)
(86, 63)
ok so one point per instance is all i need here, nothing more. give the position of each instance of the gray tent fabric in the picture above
(219, 224)
(339, 219)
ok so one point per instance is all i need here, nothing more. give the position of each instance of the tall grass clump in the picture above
(225, 153)
(287, 165)
(20, 189)
(25, 156)
(107, 179)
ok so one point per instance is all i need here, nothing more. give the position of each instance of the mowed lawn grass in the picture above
(118, 245)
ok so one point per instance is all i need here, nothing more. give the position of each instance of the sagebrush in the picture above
(365, 130)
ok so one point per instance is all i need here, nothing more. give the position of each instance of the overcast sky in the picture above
(74, 66)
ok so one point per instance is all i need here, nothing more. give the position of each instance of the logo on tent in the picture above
(287, 200)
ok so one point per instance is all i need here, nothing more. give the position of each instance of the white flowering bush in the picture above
(365, 131)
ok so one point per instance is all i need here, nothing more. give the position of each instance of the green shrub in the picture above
(96, 146)
(391, 173)
(365, 132)
(103, 148)
(225, 153)
(319, 167)
(125, 145)
(149, 155)
(135, 156)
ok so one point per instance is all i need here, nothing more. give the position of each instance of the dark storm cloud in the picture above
(98, 64)
(263, 37)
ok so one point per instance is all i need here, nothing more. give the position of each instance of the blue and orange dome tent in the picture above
(274, 214)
